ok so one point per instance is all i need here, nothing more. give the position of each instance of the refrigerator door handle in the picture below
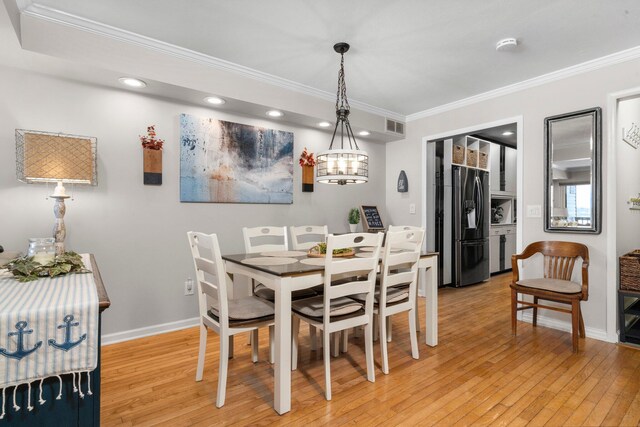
(479, 203)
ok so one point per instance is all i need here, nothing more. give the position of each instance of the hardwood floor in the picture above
(478, 374)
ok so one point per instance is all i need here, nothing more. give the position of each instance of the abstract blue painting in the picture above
(225, 162)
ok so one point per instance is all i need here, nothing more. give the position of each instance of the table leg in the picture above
(431, 292)
(282, 368)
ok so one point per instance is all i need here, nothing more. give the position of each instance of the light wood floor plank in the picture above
(479, 374)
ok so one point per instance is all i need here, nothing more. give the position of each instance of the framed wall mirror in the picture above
(573, 187)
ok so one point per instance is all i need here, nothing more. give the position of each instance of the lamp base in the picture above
(59, 229)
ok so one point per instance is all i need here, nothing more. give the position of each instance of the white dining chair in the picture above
(224, 316)
(305, 237)
(395, 290)
(269, 239)
(405, 228)
(265, 239)
(334, 311)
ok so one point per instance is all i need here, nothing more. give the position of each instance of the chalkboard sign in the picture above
(371, 218)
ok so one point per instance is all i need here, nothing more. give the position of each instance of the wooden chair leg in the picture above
(312, 336)
(413, 330)
(514, 311)
(582, 332)
(222, 371)
(230, 346)
(327, 370)
(575, 323)
(336, 344)
(272, 344)
(535, 312)
(201, 352)
(295, 330)
(254, 345)
(389, 331)
(368, 344)
(383, 343)
(376, 333)
(345, 341)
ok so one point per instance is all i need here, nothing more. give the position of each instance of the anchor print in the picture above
(20, 352)
(67, 344)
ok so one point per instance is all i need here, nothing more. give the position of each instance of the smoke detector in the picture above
(506, 44)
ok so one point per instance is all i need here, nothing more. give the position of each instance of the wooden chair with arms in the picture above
(555, 286)
(226, 317)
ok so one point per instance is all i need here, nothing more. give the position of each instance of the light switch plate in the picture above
(534, 211)
(412, 208)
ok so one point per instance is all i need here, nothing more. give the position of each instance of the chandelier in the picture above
(346, 164)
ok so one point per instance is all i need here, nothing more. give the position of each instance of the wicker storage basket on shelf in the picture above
(483, 160)
(472, 158)
(458, 154)
(630, 271)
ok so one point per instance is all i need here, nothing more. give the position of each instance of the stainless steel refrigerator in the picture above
(471, 207)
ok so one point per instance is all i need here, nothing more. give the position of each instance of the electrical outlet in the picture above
(412, 208)
(188, 286)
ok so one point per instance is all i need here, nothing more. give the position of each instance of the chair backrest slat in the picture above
(311, 234)
(253, 235)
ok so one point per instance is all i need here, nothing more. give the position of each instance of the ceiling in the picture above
(407, 56)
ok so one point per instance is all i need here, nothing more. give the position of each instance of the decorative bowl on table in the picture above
(320, 251)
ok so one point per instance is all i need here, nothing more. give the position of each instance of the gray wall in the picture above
(533, 104)
(137, 232)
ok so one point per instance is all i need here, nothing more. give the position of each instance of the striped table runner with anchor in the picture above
(48, 328)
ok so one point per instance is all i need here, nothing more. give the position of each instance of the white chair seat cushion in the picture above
(554, 285)
(247, 308)
(313, 307)
(394, 294)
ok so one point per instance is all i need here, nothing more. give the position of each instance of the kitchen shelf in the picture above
(471, 152)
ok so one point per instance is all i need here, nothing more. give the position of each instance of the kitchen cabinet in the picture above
(502, 244)
(510, 170)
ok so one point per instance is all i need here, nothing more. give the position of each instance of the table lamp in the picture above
(59, 158)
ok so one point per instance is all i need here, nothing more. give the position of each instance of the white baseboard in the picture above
(149, 330)
(598, 334)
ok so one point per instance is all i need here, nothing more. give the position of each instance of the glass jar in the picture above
(42, 249)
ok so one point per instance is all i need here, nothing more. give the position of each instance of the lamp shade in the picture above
(342, 166)
(51, 157)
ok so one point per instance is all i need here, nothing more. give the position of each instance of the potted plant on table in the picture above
(354, 219)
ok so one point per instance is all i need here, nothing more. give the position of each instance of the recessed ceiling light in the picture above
(214, 100)
(275, 113)
(131, 82)
(324, 124)
(507, 133)
(509, 43)
(364, 133)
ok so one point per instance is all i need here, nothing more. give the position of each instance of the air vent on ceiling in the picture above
(395, 127)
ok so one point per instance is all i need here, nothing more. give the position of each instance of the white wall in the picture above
(138, 232)
(534, 104)
(627, 178)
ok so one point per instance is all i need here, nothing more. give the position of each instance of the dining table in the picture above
(288, 271)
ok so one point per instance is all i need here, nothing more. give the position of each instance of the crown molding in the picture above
(28, 8)
(594, 64)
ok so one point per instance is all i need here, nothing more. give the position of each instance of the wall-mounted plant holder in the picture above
(152, 157)
(152, 166)
(307, 179)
